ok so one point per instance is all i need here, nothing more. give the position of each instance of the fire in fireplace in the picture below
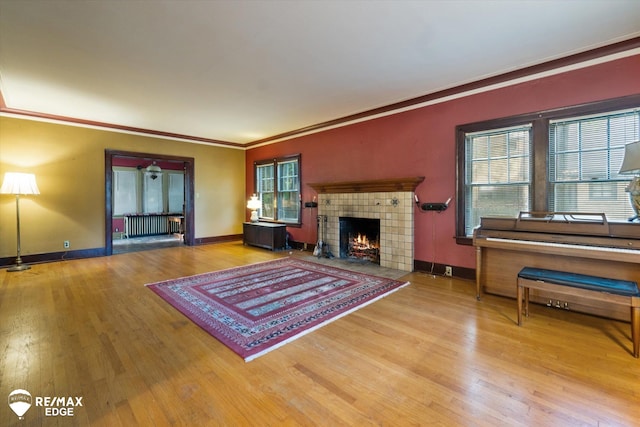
(360, 239)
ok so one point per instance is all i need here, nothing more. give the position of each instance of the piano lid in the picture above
(578, 223)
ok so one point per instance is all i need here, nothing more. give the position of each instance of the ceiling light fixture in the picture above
(154, 170)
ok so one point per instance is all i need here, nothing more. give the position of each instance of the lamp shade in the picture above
(631, 162)
(254, 203)
(19, 183)
(154, 168)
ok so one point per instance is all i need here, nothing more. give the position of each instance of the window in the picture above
(125, 190)
(175, 191)
(585, 154)
(152, 200)
(266, 190)
(278, 189)
(135, 191)
(498, 177)
(561, 160)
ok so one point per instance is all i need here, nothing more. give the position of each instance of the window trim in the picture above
(275, 162)
(540, 149)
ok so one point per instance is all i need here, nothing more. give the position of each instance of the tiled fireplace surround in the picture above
(394, 209)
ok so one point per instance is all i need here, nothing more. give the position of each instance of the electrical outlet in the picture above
(447, 271)
(66, 244)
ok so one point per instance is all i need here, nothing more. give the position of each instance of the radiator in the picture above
(149, 225)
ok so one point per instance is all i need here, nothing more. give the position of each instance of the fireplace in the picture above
(360, 239)
(391, 202)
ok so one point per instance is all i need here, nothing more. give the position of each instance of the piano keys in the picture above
(582, 243)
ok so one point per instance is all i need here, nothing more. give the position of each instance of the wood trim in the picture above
(371, 186)
(274, 162)
(438, 269)
(218, 239)
(108, 202)
(54, 256)
(116, 127)
(189, 191)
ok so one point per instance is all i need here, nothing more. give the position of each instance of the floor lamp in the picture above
(19, 183)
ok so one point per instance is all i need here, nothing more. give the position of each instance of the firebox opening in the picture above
(360, 239)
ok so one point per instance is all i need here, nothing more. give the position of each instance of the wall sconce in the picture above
(437, 207)
(254, 204)
(19, 183)
(631, 164)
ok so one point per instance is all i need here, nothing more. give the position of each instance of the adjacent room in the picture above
(248, 213)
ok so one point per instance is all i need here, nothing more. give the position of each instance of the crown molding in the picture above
(576, 61)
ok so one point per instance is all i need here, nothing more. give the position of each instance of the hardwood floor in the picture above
(429, 354)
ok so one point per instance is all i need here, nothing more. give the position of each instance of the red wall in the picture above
(132, 163)
(421, 142)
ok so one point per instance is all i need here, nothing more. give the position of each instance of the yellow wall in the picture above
(68, 162)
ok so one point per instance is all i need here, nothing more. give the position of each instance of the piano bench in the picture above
(613, 291)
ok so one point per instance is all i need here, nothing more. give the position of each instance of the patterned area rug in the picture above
(257, 308)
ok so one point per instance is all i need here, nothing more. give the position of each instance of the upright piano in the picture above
(583, 243)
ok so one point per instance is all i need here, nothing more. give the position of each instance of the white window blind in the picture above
(585, 154)
(176, 192)
(498, 173)
(125, 191)
(152, 200)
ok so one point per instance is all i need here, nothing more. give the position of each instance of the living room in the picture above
(68, 161)
(81, 323)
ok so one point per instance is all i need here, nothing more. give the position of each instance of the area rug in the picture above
(257, 308)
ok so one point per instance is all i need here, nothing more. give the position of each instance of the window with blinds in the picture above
(562, 160)
(585, 154)
(498, 173)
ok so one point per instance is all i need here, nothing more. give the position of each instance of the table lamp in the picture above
(254, 204)
(631, 164)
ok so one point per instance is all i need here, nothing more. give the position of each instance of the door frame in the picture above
(189, 167)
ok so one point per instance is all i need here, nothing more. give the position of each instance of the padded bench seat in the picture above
(614, 291)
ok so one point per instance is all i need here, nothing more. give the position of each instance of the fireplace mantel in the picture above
(371, 186)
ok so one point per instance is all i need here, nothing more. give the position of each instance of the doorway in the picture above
(187, 163)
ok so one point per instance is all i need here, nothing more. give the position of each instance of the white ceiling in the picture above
(240, 71)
